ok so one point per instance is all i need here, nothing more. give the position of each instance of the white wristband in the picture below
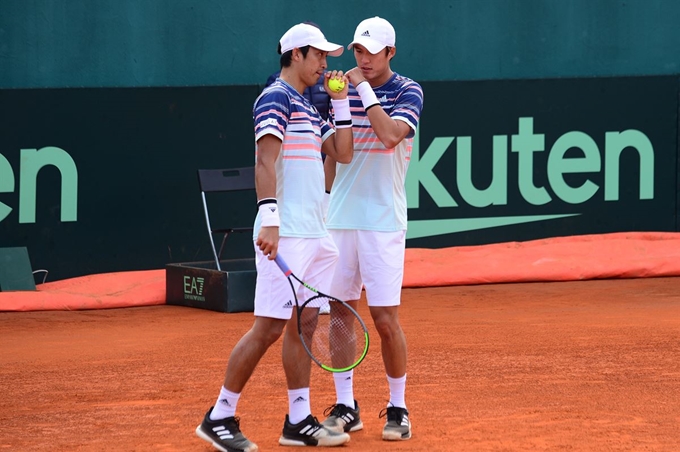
(341, 109)
(269, 212)
(368, 97)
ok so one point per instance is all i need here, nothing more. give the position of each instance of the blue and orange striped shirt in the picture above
(369, 192)
(283, 112)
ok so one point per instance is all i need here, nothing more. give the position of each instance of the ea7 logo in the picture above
(193, 285)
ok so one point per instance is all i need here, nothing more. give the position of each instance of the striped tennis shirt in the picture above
(283, 112)
(369, 192)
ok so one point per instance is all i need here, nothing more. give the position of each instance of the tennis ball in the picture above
(336, 85)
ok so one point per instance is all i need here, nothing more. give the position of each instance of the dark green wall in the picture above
(104, 179)
(133, 43)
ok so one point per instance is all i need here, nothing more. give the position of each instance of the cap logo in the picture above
(366, 33)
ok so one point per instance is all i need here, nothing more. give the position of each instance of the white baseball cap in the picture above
(302, 35)
(375, 34)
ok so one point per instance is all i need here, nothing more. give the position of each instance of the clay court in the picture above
(589, 365)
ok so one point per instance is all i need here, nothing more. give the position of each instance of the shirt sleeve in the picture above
(408, 106)
(326, 130)
(271, 114)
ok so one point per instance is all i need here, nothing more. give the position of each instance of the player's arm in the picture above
(340, 147)
(389, 131)
(329, 176)
(329, 172)
(268, 148)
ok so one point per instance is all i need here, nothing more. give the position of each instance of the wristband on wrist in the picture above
(343, 117)
(368, 97)
(269, 212)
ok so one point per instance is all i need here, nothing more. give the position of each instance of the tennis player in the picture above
(289, 177)
(318, 97)
(367, 214)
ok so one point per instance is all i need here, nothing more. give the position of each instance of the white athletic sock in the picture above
(298, 405)
(397, 390)
(225, 406)
(344, 388)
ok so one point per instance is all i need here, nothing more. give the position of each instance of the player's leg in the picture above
(392, 346)
(312, 259)
(381, 258)
(249, 350)
(299, 254)
(394, 354)
(220, 426)
(320, 275)
(346, 285)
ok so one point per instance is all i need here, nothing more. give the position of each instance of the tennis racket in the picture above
(337, 342)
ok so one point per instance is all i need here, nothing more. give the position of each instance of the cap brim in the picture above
(371, 45)
(332, 49)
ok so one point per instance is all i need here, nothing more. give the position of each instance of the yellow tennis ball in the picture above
(336, 85)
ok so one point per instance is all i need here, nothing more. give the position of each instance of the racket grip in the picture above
(282, 264)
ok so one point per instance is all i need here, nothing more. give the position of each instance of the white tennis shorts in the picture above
(311, 260)
(371, 259)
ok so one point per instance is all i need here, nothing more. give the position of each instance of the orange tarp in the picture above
(107, 290)
(573, 258)
(619, 255)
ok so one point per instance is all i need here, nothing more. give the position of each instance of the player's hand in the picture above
(355, 76)
(268, 241)
(336, 75)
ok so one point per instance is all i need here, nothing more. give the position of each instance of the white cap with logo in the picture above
(375, 34)
(302, 35)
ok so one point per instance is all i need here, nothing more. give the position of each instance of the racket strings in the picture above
(336, 340)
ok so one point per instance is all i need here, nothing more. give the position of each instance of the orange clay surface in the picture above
(583, 366)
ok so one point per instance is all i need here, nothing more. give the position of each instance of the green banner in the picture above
(102, 180)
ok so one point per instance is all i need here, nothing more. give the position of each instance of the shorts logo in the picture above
(289, 304)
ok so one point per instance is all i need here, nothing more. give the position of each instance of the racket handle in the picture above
(282, 264)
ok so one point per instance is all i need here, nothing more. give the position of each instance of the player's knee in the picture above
(387, 327)
(269, 331)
